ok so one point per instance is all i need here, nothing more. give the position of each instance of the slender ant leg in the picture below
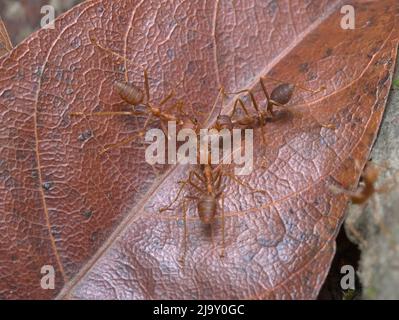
(183, 184)
(223, 229)
(183, 256)
(242, 105)
(118, 144)
(242, 183)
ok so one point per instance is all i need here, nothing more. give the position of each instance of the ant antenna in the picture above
(95, 42)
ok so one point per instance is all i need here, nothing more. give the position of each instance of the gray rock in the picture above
(375, 226)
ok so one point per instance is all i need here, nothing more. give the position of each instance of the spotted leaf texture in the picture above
(95, 217)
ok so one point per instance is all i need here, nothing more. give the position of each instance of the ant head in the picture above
(223, 121)
(282, 94)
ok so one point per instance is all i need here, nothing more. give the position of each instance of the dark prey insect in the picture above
(279, 97)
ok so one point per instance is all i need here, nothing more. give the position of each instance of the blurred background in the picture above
(22, 17)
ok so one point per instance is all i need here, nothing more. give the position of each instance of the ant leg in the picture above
(242, 183)
(262, 129)
(222, 96)
(223, 229)
(166, 99)
(118, 144)
(247, 113)
(94, 41)
(252, 97)
(181, 120)
(260, 115)
(183, 184)
(179, 105)
(218, 178)
(107, 113)
(220, 93)
(255, 106)
(264, 158)
(192, 183)
(165, 129)
(118, 56)
(146, 86)
(199, 178)
(181, 112)
(127, 140)
(242, 105)
(270, 102)
(147, 121)
(262, 84)
(210, 113)
(183, 256)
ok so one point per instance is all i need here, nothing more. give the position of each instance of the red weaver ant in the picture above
(135, 97)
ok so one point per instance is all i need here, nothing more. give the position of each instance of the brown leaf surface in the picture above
(24, 17)
(5, 42)
(95, 218)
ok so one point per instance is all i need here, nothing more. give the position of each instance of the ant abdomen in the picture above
(282, 94)
(207, 208)
(129, 92)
